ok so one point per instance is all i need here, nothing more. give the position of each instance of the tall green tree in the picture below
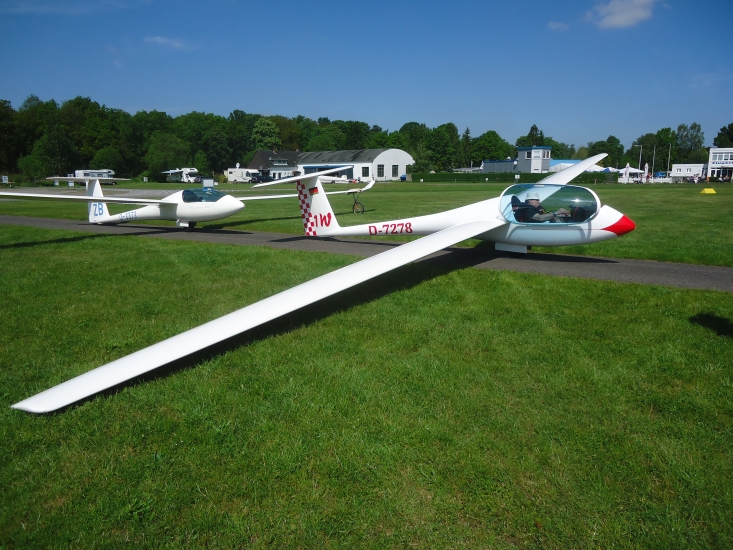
(144, 125)
(265, 135)
(201, 163)
(356, 134)
(582, 153)
(290, 133)
(666, 149)
(611, 146)
(52, 155)
(724, 137)
(422, 160)
(490, 146)
(414, 134)
(534, 137)
(444, 145)
(690, 141)
(396, 141)
(166, 152)
(378, 140)
(108, 157)
(464, 154)
(326, 138)
(239, 134)
(8, 143)
(216, 147)
(31, 121)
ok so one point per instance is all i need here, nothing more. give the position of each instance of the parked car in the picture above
(262, 179)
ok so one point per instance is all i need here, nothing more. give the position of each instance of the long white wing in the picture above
(81, 198)
(566, 176)
(218, 330)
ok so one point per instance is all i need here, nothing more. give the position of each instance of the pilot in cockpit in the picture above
(531, 211)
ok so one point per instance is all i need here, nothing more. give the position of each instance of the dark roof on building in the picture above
(333, 157)
(264, 159)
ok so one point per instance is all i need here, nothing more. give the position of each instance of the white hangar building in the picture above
(382, 164)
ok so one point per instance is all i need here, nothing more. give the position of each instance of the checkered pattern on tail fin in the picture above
(315, 210)
(309, 224)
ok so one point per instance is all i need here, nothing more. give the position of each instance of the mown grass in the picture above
(430, 408)
(675, 223)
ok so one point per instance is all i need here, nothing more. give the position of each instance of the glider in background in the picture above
(186, 175)
(186, 208)
(513, 221)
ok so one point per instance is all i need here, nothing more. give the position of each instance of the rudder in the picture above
(315, 210)
(97, 211)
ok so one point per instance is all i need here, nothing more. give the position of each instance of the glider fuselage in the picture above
(605, 223)
(173, 208)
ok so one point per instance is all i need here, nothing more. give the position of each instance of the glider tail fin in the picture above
(315, 210)
(97, 210)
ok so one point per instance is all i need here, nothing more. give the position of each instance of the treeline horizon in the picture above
(43, 138)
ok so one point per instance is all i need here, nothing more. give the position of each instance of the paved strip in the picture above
(587, 267)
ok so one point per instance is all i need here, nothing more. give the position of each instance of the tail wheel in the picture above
(191, 226)
(358, 208)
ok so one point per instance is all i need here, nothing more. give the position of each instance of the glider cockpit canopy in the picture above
(202, 195)
(577, 204)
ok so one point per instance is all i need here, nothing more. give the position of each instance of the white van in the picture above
(100, 173)
(241, 175)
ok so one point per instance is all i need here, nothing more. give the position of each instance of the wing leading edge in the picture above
(82, 198)
(218, 330)
(566, 176)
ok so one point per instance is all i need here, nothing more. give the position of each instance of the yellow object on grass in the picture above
(708, 191)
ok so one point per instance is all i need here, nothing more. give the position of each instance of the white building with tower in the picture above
(720, 163)
(530, 160)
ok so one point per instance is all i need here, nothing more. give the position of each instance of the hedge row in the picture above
(459, 177)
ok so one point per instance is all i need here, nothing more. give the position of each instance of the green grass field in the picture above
(675, 223)
(430, 408)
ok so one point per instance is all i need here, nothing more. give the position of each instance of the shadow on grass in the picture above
(240, 223)
(64, 240)
(402, 278)
(115, 231)
(720, 325)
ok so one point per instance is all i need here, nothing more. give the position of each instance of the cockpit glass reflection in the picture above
(537, 203)
(202, 195)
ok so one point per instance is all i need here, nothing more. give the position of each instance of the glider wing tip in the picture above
(29, 408)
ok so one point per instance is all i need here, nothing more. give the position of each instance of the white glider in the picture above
(188, 175)
(579, 219)
(186, 208)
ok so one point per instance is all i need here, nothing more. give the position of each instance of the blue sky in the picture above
(580, 70)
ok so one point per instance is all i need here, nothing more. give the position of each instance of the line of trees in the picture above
(43, 138)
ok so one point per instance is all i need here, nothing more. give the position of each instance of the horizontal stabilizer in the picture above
(100, 180)
(293, 179)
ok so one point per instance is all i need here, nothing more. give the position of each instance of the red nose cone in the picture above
(621, 227)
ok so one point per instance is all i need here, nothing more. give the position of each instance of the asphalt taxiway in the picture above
(587, 267)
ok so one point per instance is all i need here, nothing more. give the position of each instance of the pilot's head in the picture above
(533, 198)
